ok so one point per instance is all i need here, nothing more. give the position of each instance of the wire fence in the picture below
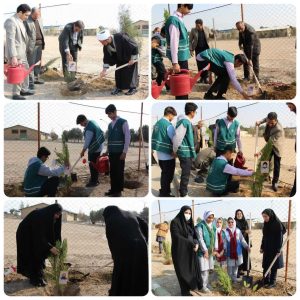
(88, 250)
(248, 114)
(31, 125)
(164, 274)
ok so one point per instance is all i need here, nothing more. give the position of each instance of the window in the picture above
(24, 131)
(14, 131)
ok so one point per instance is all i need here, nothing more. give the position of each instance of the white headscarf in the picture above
(103, 35)
(219, 229)
(234, 226)
(206, 215)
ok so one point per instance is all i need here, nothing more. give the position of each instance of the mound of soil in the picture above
(98, 83)
(52, 75)
(73, 89)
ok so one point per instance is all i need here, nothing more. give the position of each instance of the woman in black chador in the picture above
(273, 232)
(127, 237)
(184, 251)
(242, 225)
(36, 238)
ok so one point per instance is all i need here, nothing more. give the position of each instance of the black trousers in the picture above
(271, 277)
(160, 70)
(293, 191)
(183, 65)
(49, 188)
(186, 166)
(201, 65)
(255, 62)
(276, 170)
(116, 172)
(221, 83)
(93, 171)
(73, 52)
(167, 174)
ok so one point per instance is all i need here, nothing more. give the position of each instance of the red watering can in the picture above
(156, 89)
(17, 74)
(240, 161)
(182, 83)
(102, 165)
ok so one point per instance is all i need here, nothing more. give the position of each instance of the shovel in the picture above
(260, 283)
(248, 280)
(263, 93)
(74, 175)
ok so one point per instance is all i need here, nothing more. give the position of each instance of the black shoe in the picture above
(28, 93)
(209, 96)
(220, 97)
(92, 184)
(37, 282)
(116, 91)
(199, 179)
(109, 192)
(31, 87)
(275, 186)
(131, 91)
(166, 196)
(271, 286)
(18, 97)
(118, 194)
(39, 81)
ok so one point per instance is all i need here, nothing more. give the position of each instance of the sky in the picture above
(247, 116)
(223, 208)
(92, 13)
(257, 15)
(81, 205)
(59, 116)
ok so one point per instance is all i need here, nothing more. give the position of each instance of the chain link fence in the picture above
(88, 251)
(164, 274)
(31, 125)
(248, 114)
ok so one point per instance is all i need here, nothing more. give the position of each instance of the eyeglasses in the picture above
(230, 222)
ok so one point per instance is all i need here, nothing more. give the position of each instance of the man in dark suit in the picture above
(70, 41)
(250, 43)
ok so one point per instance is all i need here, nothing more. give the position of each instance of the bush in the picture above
(224, 280)
(167, 253)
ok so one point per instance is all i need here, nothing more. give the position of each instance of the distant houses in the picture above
(20, 132)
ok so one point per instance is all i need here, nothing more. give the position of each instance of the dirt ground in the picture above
(287, 173)
(277, 70)
(90, 61)
(88, 252)
(17, 154)
(165, 276)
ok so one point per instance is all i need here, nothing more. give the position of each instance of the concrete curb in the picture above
(157, 290)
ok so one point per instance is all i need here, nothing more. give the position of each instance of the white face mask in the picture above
(187, 217)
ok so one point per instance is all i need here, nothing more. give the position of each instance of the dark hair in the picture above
(166, 222)
(232, 111)
(23, 8)
(227, 148)
(80, 118)
(157, 38)
(189, 6)
(79, 24)
(154, 30)
(170, 111)
(43, 151)
(242, 58)
(189, 107)
(229, 219)
(163, 31)
(199, 21)
(272, 116)
(110, 108)
(34, 9)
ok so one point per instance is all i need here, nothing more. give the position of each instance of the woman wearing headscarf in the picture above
(36, 238)
(220, 243)
(207, 233)
(273, 232)
(242, 225)
(184, 251)
(235, 242)
(127, 237)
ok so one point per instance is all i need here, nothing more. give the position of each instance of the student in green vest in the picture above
(163, 133)
(117, 148)
(184, 146)
(39, 179)
(93, 142)
(178, 49)
(207, 232)
(219, 175)
(222, 63)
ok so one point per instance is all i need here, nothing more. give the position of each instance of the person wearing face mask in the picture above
(184, 251)
(273, 232)
(207, 233)
(220, 243)
(273, 132)
(235, 242)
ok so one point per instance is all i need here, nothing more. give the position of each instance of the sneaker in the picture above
(39, 81)
(275, 187)
(220, 97)
(209, 96)
(92, 184)
(117, 195)
(116, 91)
(18, 97)
(166, 196)
(27, 93)
(109, 192)
(199, 179)
(131, 91)
(205, 290)
(271, 286)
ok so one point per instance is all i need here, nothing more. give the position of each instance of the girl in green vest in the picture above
(207, 232)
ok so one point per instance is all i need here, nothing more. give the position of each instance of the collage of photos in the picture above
(149, 149)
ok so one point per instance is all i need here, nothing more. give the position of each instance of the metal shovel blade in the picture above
(247, 281)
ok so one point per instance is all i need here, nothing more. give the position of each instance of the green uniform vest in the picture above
(116, 137)
(183, 47)
(206, 237)
(187, 147)
(217, 180)
(155, 56)
(98, 136)
(32, 180)
(227, 136)
(160, 139)
(217, 56)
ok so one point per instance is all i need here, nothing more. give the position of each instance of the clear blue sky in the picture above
(247, 116)
(257, 15)
(223, 208)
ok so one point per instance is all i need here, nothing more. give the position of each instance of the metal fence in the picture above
(32, 125)
(248, 114)
(164, 274)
